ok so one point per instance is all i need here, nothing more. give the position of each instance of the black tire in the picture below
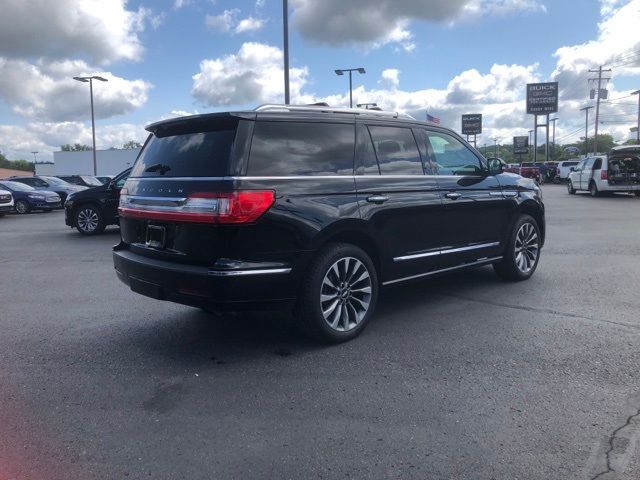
(89, 220)
(351, 312)
(511, 266)
(22, 207)
(593, 189)
(570, 189)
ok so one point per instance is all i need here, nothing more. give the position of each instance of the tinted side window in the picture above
(26, 181)
(286, 148)
(396, 150)
(588, 164)
(367, 162)
(39, 183)
(597, 164)
(452, 157)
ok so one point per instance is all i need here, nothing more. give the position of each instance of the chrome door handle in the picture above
(377, 199)
(453, 195)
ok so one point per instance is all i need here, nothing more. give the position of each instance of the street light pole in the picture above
(35, 159)
(93, 122)
(637, 92)
(530, 132)
(350, 70)
(495, 147)
(285, 24)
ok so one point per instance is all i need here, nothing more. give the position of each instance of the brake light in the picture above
(603, 175)
(245, 206)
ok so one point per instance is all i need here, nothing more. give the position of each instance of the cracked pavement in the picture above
(461, 377)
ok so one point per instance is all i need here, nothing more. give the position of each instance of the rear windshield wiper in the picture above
(158, 167)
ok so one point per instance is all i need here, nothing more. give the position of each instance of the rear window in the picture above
(193, 154)
(303, 148)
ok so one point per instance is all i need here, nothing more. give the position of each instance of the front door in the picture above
(399, 202)
(475, 211)
(586, 173)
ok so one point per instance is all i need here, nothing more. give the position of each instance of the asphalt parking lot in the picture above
(462, 377)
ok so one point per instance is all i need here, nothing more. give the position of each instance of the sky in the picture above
(167, 58)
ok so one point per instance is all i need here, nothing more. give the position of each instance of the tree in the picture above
(131, 145)
(77, 147)
(23, 165)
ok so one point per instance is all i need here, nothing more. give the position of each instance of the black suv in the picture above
(90, 211)
(316, 208)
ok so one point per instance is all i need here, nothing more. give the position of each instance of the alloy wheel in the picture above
(88, 220)
(526, 248)
(345, 294)
(22, 207)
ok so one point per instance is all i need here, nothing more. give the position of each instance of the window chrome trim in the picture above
(237, 273)
(445, 251)
(283, 177)
(477, 263)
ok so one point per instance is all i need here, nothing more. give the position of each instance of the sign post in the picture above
(472, 125)
(542, 99)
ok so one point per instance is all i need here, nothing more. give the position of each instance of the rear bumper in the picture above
(261, 287)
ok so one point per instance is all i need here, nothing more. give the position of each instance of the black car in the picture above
(316, 208)
(88, 181)
(91, 210)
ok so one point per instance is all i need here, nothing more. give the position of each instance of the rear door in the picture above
(399, 202)
(475, 212)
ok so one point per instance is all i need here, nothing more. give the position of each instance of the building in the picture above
(109, 162)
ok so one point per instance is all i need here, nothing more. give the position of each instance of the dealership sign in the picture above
(520, 145)
(542, 98)
(472, 124)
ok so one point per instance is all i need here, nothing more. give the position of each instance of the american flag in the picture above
(432, 119)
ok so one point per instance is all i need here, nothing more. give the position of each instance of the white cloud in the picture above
(223, 22)
(47, 137)
(228, 21)
(391, 77)
(253, 75)
(103, 31)
(45, 90)
(374, 24)
(249, 24)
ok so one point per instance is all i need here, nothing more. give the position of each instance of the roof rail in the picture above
(272, 107)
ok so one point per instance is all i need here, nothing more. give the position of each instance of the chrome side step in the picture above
(477, 263)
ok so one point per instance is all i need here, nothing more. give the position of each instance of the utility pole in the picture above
(598, 95)
(495, 147)
(554, 136)
(285, 27)
(586, 130)
(530, 132)
(637, 92)
(35, 159)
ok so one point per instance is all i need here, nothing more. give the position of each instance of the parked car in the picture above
(546, 171)
(105, 179)
(88, 181)
(617, 172)
(91, 210)
(564, 168)
(6, 202)
(529, 170)
(316, 208)
(45, 182)
(27, 198)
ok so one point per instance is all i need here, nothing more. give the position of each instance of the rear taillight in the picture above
(603, 175)
(203, 207)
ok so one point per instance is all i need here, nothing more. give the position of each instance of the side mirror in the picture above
(572, 169)
(496, 166)
(112, 184)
